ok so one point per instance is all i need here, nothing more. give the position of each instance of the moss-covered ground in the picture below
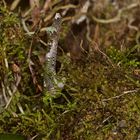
(101, 96)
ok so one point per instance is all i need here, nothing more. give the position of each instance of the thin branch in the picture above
(50, 80)
(119, 96)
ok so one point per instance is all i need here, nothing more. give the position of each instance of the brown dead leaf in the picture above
(15, 68)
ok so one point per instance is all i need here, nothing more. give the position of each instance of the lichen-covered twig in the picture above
(51, 83)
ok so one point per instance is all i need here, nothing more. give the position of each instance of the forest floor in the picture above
(98, 56)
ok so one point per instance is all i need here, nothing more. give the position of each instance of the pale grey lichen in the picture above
(51, 82)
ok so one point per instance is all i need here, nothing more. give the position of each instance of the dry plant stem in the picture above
(49, 16)
(118, 16)
(7, 88)
(5, 59)
(46, 5)
(34, 137)
(4, 92)
(12, 93)
(42, 42)
(132, 26)
(81, 14)
(25, 28)
(9, 91)
(57, 9)
(20, 108)
(107, 21)
(67, 19)
(18, 79)
(27, 13)
(14, 4)
(34, 3)
(103, 122)
(4, 3)
(119, 96)
(5, 79)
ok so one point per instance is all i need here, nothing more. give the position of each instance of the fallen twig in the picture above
(119, 96)
(51, 83)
